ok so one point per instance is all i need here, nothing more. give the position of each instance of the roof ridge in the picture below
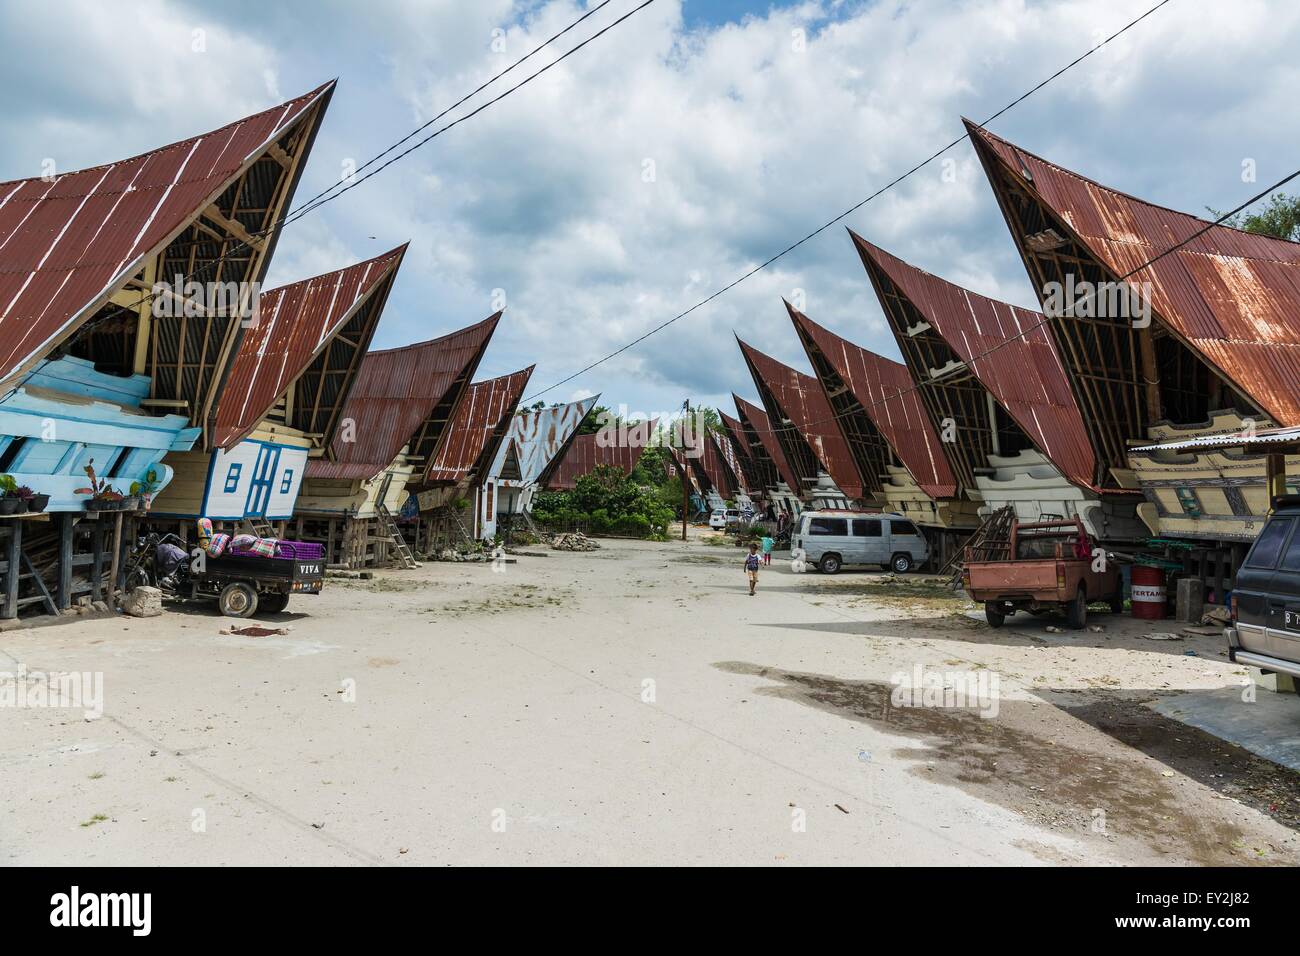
(311, 95)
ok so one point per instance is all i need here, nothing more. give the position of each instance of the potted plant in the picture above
(9, 501)
(145, 489)
(27, 497)
(103, 496)
(37, 502)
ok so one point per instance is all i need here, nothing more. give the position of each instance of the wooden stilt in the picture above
(63, 591)
(12, 552)
(112, 568)
(97, 562)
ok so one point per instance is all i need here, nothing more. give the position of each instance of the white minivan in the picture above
(832, 540)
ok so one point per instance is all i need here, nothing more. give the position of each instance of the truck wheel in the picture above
(829, 564)
(238, 600)
(273, 603)
(1076, 611)
(901, 563)
(994, 614)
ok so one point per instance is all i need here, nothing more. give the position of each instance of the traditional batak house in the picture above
(992, 380)
(284, 399)
(622, 450)
(891, 437)
(393, 424)
(459, 472)
(736, 450)
(537, 437)
(675, 465)
(733, 469)
(711, 470)
(771, 469)
(123, 293)
(825, 472)
(1201, 341)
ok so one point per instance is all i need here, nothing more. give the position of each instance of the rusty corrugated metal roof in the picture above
(711, 465)
(735, 466)
(735, 432)
(757, 428)
(1232, 296)
(540, 435)
(475, 434)
(586, 452)
(736, 449)
(294, 324)
(1021, 370)
(800, 400)
(395, 392)
(884, 388)
(68, 243)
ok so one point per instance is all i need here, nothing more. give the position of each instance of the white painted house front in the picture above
(254, 479)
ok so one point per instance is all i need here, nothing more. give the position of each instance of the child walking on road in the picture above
(768, 544)
(751, 568)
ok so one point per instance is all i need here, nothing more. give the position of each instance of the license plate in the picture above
(1291, 620)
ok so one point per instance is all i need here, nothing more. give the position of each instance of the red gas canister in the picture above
(1148, 592)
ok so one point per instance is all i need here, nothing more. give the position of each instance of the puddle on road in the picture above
(999, 760)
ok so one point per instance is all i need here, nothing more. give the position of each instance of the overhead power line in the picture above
(1092, 292)
(317, 201)
(848, 212)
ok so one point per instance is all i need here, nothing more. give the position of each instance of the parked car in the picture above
(832, 540)
(718, 520)
(1265, 604)
(1049, 565)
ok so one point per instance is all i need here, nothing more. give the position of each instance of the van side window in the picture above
(831, 526)
(866, 527)
(902, 527)
(1269, 544)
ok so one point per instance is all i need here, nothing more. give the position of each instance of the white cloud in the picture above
(753, 144)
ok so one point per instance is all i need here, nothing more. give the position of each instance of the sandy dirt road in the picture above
(631, 705)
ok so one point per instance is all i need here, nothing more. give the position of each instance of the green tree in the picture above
(592, 423)
(1280, 218)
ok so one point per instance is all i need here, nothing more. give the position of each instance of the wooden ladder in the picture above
(258, 526)
(389, 527)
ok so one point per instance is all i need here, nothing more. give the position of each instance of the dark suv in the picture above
(1265, 629)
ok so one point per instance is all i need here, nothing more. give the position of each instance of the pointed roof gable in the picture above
(68, 243)
(1009, 351)
(475, 434)
(885, 391)
(395, 398)
(734, 432)
(541, 436)
(294, 327)
(735, 448)
(800, 399)
(756, 425)
(586, 453)
(1231, 296)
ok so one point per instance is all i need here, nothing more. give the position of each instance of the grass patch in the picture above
(97, 818)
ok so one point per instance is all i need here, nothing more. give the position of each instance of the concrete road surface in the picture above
(631, 705)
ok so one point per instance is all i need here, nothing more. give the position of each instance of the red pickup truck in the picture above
(1048, 565)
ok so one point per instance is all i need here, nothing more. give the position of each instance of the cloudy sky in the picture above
(670, 155)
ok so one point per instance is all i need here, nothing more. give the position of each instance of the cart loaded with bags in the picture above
(242, 574)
